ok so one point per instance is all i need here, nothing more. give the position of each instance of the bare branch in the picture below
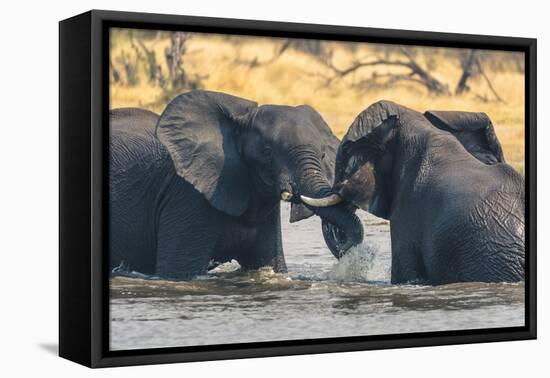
(417, 73)
(254, 63)
(489, 84)
(376, 82)
(154, 69)
(113, 72)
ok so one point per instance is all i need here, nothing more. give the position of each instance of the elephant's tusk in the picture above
(286, 196)
(333, 199)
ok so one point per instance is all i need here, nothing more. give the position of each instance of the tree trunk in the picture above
(467, 69)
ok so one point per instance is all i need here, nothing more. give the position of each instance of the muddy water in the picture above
(319, 297)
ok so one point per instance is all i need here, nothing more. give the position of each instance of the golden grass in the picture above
(294, 78)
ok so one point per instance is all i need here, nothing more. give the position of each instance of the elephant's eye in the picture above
(267, 152)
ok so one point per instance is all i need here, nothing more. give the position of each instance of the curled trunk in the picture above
(342, 229)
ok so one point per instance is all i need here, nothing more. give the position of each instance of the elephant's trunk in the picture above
(342, 229)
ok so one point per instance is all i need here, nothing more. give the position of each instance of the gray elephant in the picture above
(456, 209)
(202, 183)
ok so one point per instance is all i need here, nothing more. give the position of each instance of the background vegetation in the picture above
(149, 68)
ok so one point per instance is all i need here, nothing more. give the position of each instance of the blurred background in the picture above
(339, 79)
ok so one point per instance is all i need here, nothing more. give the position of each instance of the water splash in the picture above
(228, 267)
(359, 264)
(123, 270)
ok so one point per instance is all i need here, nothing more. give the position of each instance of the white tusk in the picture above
(333, 199)
(286, 196)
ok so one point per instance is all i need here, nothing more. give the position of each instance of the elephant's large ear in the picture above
(474, 130)
(329, 144)
(200, 130)
(367, 165)
(367, 145)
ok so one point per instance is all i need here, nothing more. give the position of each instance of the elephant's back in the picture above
(137, 159)
(129, 118)
(132, 125)
(133, 143)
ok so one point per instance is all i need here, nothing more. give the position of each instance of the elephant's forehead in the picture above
(279, 120)
(279, 114)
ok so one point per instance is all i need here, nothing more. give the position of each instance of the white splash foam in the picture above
(357, 265)
(227, 267)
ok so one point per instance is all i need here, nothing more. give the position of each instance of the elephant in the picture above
(202, 183)
(456, 209)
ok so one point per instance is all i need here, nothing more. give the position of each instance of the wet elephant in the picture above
(203, 182)
(456, 209)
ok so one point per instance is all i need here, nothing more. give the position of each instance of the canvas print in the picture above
(265, 189)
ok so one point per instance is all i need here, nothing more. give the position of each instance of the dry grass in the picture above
(294, 79)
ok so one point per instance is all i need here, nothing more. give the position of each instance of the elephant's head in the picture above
(245, 158)
(386, 143)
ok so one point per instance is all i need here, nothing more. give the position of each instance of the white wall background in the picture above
(29, 186)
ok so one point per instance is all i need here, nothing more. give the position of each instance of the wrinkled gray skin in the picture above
(456, 209)
(203, 183)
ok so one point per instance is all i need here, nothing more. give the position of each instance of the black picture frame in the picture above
(83, 228)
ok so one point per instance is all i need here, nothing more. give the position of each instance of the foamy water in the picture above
(319, 297)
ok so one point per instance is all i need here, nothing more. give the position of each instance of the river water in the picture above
(319, 297)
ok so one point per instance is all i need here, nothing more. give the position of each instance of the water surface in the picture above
(319, 297)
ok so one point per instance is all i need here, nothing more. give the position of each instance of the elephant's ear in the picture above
(200, 130)
(474, 130)
(298, 212)
(366, 155)
(329, 144)
(370, 162)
